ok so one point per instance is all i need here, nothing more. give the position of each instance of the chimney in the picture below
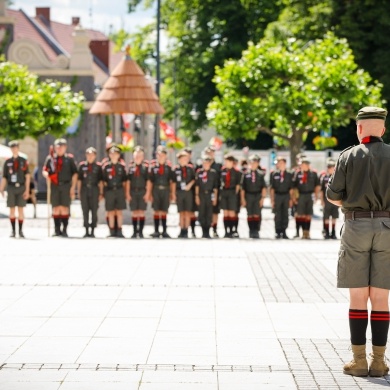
(101, 50)
(43, 12)
(75, 20)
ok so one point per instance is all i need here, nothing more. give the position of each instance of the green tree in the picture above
(202, 35)
(290, 90)
(32, 108)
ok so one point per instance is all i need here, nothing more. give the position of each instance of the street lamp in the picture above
(194, 113)
(156, 139)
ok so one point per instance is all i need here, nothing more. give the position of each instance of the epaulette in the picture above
(349, 147)
(191, 165)
(198, 170)
(271, 171)
(168, 163)
(152, 163)
(236, 169)
(98, 163)
(314, 170)
(105, 159)
(70, 155)
(322, 173)
(146, 163)
(83, 163)
(223, 167)
(106, 163)
(122, 162)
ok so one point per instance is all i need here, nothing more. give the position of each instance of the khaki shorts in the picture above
(364, 256)
(15, 196)
(60, 195)
(305, 204)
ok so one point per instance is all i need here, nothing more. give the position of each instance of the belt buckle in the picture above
(372, 214)
(17, 185)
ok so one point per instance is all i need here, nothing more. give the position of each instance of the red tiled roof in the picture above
(61, 35)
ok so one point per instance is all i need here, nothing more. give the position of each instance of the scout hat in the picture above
(280, 158)
(182, 154)
(13, 143)
(305, 160)
(60, 141)
(90, 150)
(254, 157)
(188, 150)
(161, 149)
(206, 157)
(371, 113)
(139, 148)
(229, 157)
(330, 162)
(114, 148)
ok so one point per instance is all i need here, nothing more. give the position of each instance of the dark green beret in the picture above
(13, 143)
(371, 113)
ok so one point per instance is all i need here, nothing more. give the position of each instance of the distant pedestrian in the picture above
(360, 185)
(90, 189)
(16, 178)
(61, 170)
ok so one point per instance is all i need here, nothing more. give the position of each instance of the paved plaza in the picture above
(121, 314)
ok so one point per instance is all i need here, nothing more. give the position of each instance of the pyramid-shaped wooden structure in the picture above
(127, 91)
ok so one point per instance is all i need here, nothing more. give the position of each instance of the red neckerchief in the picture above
(227, 181)
(366, 140)
(204, 179)
(59, 164)
(184, 170)
(253, 177)
(137, 170)
(113, 172)
(161, 169)
(304, 178)
(16, 164)
(281, 176)
(89, 168)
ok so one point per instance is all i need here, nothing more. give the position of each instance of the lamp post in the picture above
(156, 140)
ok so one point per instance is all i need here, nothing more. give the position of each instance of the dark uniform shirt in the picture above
(182, 176)
(324, 180)
(253, 182)
(306, 182)
(207, 181)
(60, 168)
(15, 170)
(138, 175)
(361, 179)
(114, 174)
(281, 182)
(230, 178)
(160, 175)
(90, 174)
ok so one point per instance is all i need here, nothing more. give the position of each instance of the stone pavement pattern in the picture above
(171, 314)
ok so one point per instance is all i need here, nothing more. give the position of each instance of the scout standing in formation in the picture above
(183, 180)
(114, 179)
(230, 187)
(16, 177)
(206, 193)
(90, 189)
(160, 174)
(253, 192)
(137, 195)
(60, 168)
(281, 184)
(307, 183)
(194, 206)
(330, 210)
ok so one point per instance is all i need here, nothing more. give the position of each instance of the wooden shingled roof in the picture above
(127, 91)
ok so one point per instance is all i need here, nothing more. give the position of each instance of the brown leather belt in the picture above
(366, 214)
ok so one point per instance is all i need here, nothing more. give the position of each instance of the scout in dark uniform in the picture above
(210, 151)
(137, 195)
(234, 221)
(16, 177)
(160, 174)
(329, 209)
(307, 183)
(253, 192)
(114, 179)
(360, 185)
(183, 180)
(90, 189)
(193, 218)
(281, 184)
(61, 169)
(206, 192)
(295, 195)
(229, 188)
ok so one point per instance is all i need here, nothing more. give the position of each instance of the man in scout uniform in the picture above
(61, 170)
(16, 177)
(138, 177)
(206, 192)
(114, 179)
(210, 151)
(160, 174)
(360, 185)
(183, 180)
(90, 189)
(188, 150)
(281, 184)
(329, 209)
(229, 188)
(253, 192)
(307, 183)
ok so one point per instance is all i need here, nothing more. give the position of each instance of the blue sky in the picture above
(104, 13)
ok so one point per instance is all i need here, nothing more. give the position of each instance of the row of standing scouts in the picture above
(206, 190)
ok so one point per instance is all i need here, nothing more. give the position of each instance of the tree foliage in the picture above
(34, 108)
(290, 90)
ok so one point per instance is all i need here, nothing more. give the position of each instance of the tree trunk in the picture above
(296, 143)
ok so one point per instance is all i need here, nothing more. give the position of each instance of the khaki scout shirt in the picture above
(362, 178)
